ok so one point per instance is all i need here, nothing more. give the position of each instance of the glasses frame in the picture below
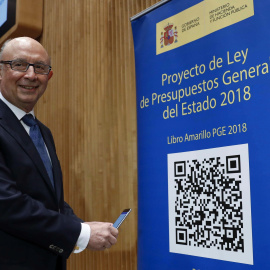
(28, 65)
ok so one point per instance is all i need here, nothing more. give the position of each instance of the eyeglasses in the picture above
(19, 65)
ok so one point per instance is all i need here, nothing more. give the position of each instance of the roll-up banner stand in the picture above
(203, 112)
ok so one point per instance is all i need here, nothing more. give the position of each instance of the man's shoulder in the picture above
(3, 106)
(45, 130)
(6, 112)
(43, 126)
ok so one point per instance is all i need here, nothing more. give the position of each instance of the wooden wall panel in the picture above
(90, 106)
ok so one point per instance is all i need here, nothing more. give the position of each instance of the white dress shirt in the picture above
(85, 229)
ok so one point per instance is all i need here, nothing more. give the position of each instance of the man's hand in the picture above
(103, 235)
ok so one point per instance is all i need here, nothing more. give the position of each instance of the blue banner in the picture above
(202, 75)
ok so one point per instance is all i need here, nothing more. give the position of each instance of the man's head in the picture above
(23, 88)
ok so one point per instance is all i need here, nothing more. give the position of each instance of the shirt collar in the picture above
(18, 112)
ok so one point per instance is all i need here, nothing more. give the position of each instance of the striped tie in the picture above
(38, 141)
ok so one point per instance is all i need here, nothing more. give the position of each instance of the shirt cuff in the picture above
(83, 239)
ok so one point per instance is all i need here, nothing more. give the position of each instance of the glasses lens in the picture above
(41, 69)
(19, 65)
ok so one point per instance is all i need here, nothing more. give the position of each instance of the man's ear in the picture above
(49, 76)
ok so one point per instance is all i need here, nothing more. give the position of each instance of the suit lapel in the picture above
(13, 126)
(55, 163)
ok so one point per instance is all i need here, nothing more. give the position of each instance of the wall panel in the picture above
(90, 107)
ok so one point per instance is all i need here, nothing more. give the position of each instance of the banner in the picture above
(203, 91)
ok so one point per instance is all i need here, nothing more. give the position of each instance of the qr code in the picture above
(209, 204)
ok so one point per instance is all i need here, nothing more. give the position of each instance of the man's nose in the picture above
(30, 73)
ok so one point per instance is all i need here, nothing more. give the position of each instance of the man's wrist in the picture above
(83, 239)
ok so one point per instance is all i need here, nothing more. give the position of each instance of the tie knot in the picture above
(29, 120)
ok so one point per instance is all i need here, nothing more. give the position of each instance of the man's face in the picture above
(23, 89)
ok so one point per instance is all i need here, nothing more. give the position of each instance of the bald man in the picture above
(38, 230)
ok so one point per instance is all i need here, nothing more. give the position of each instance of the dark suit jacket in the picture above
(38, 230)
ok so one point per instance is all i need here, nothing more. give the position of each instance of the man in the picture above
(38, 230)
